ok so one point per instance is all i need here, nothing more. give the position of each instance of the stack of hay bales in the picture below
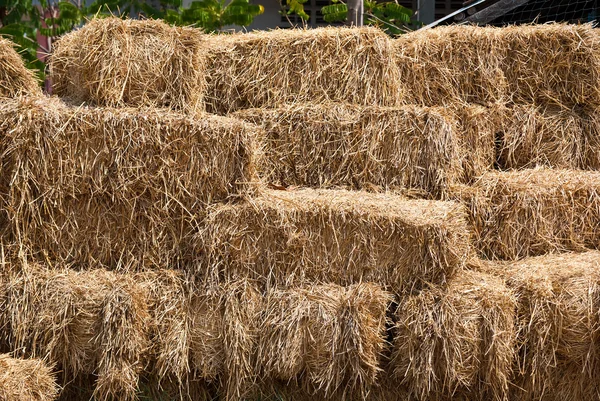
(25, 380)
(318, 240)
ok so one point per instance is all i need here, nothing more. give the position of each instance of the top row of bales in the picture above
(114, 62)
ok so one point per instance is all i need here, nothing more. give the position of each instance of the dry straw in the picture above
(476, 129)
(91, 322)
(114, 62)
(15, 79)
(224, 336)
(533, 212)
(452, 64)
(359, 147)
(326, 339)
(556, 64)
(533, 136)
(336, 236)
(551, 64)
(518, 136)
(457, 342)
(26, 380)
(117, 188)
(558, 325)
(267, 69)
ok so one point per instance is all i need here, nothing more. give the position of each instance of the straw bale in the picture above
(267, 69)
(117, 188)
(92, 322)
(533, 136)
(517, 137)
(552, 64)
(533, 212)
(336, 236)
(224, 334)
(15, 79)
(558, 325)
(26, 380)
(452, 64)
(458, 342)
(359, 147)
(114, 62)
(476, 129)
(325, 339)
(170, 306)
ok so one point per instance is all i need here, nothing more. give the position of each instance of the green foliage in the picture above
(21, 21)
(389, 16)
(297, 7)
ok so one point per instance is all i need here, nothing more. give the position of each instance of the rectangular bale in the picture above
(358, 147)
(325, 339)
(117, 188)
(476, 129)
(549, 64)
(267, 69)
(26, 380)
(515, 214)
(552, 64)
(531, 136)
(558, 298)
(457, 342)
(452, 65)
(115, 62)
(335, 236)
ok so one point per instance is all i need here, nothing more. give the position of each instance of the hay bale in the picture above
(533, 136)
(476, 129)
(558, 325)
(114, 62)
(359, 147)
(267, 69)
(170, 306)
(26, 380)
(93, 322)
(518, 137)
(326, 339)
(224, 340)
(552, 64)
(458, 342)
(335, 236)
(117, 188)
(15, 79)
(452, 64)
(533, 212)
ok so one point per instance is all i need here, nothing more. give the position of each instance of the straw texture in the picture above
(358, 147)
(458, 342)
(114, 62)
(117, 188)
(533, 212)
(15, 79)
(25, 380)
(268, 69)
(336, 236)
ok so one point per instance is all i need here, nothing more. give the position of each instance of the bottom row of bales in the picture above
(527, 328)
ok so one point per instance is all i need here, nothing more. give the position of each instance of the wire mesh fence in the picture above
(541, 11)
